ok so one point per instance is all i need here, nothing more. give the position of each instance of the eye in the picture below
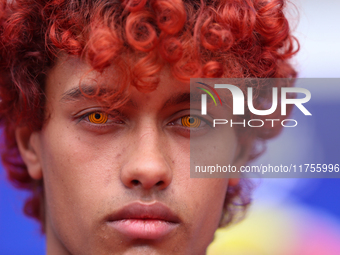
(98, 118)
(191, 121)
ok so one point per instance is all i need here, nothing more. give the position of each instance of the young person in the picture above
(95, 105)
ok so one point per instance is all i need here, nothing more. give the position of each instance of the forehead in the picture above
(70, 77)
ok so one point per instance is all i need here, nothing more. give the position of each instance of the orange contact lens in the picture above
(98, 118)
(192, 122)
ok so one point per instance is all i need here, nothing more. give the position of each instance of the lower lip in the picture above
(143, 229)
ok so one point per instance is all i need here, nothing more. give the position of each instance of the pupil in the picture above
(191, 120)
(97, 116)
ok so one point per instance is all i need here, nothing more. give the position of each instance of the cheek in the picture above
(217, 148)
(204, 197)
(205, 202)
(77, 171)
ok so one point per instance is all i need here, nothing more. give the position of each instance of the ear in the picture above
(28, 144)
(241, 159)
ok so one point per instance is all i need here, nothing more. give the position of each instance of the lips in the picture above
(144, 221)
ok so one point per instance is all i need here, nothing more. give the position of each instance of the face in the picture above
(120, 182)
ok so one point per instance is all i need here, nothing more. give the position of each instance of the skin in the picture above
(92, 170)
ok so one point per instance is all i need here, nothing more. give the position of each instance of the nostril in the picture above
(135, 182)
(160, 183)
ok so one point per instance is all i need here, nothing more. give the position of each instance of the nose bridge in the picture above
(147, 165)
(148, 143)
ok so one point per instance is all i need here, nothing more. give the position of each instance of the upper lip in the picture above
(143, 211)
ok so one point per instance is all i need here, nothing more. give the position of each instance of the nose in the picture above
(147, 165)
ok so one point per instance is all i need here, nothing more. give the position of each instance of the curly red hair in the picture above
(195, 38)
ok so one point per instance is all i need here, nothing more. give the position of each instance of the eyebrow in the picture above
(75, 94)
(181, 98)
(80, 92)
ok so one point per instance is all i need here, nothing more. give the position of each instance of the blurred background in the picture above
(288, 216)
